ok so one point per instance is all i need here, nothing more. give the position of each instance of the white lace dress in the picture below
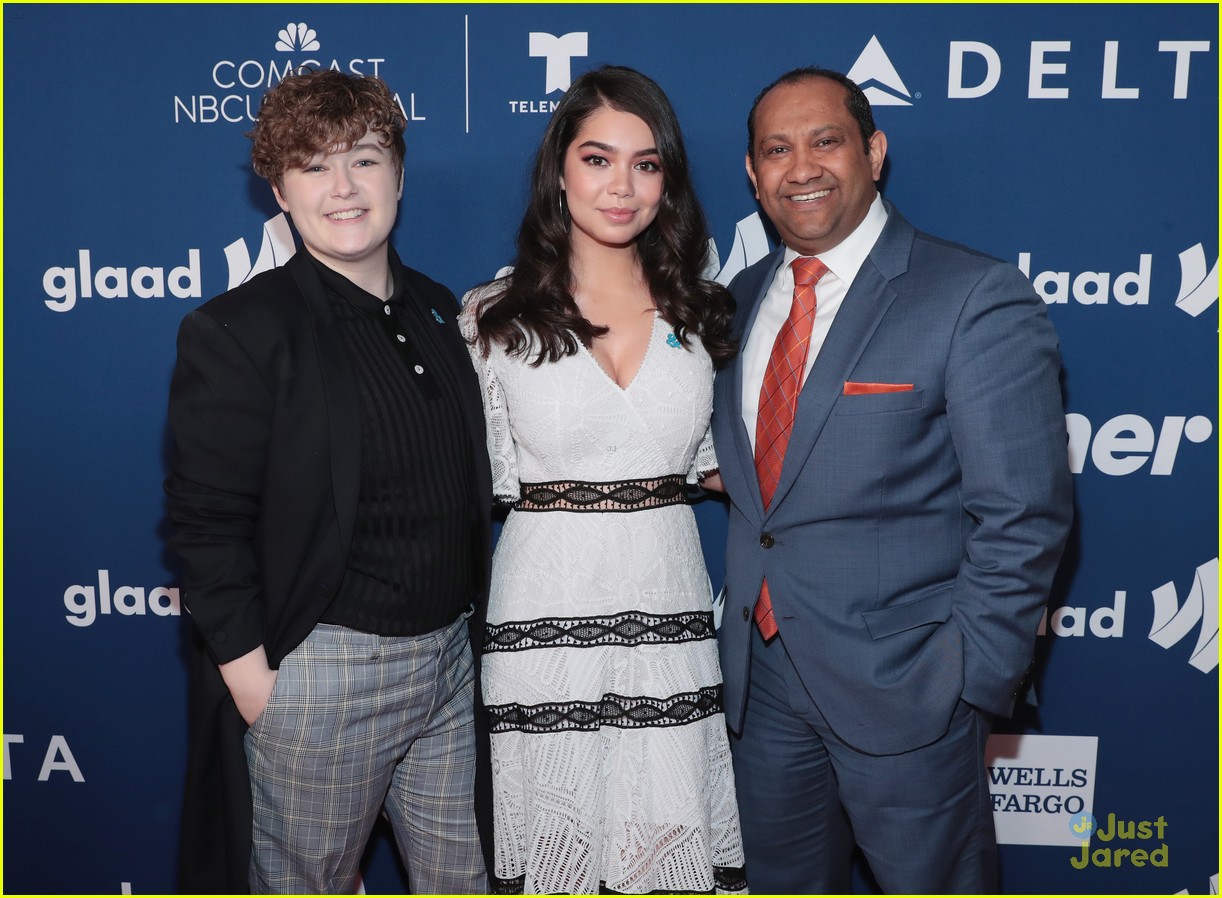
(611, 765)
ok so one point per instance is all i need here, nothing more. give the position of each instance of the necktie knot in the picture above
(807, 270)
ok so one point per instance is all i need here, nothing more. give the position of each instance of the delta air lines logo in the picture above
(878, 78)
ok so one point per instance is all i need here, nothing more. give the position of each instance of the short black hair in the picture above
(856, 102)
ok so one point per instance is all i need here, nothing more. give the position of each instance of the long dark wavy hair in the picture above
(535, 304)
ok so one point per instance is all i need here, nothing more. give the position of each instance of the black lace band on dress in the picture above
(614, 495)
(630, 628)
(627, 712)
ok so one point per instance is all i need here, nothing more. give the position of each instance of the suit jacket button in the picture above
(746, 613)
(767, 541)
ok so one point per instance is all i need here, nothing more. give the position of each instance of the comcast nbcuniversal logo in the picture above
(235, 84)
(297, 36)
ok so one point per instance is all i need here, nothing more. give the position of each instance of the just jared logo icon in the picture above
(1122, 832)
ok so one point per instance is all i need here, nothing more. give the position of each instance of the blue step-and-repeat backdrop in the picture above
(1077, 141)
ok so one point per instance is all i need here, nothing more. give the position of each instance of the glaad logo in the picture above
(1198, 290)
(874, 71)
(1173, 621)
(64, 285)
(276, 249)
(85, 603)
(750, 245)
(1090, 288)
(559, 53)
(1106, 622)
(297, 36)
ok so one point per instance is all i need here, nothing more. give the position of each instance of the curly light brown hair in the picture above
(322, 111)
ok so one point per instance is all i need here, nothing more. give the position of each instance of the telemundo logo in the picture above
(559, 51)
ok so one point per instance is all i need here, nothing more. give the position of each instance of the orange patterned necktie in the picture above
(779, 400)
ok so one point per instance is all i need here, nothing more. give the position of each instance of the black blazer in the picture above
(263, 493)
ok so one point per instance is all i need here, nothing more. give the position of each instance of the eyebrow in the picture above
(361, 145)
(367, 145)
(607, 148)
(822, 129)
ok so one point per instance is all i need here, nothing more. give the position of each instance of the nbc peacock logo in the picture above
(297, 36)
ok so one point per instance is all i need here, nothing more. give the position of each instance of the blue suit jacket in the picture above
(913, 537)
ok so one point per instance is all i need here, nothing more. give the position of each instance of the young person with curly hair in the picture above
(328, 496)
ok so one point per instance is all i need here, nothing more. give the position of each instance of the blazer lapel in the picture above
(743, 452)
(863, 308)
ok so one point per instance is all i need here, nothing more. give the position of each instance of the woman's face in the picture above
(612, 179)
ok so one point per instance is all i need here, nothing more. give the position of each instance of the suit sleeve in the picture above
(1007, 423)
(220, 414)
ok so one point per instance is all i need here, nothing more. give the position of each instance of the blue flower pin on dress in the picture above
(672, 341)
(437, 317)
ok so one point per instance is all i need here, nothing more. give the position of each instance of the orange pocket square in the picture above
(852, 388)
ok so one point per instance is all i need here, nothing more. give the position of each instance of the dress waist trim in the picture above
(614, 495)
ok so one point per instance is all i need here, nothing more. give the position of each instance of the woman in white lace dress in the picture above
(611, 768)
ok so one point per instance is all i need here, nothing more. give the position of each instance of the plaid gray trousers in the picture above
(357, 723)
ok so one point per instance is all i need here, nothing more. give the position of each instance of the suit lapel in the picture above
(743, 453)
(859, 316)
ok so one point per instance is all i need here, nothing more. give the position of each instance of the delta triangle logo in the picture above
(877, 77)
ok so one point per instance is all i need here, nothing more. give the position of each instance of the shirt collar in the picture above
(846, 258)
(358, 297)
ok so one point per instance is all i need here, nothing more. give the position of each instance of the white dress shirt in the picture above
(843, 262)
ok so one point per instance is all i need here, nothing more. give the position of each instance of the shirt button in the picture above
(386, 309)
(418, 369)
(767, 541)
(401, 338)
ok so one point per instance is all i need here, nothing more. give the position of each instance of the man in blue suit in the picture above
(892, 440)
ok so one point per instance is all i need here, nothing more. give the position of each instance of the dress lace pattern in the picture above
(627, 629)
(613, 710)
(618, 495)
(611, 764)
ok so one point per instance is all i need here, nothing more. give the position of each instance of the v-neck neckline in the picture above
(653, 330)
